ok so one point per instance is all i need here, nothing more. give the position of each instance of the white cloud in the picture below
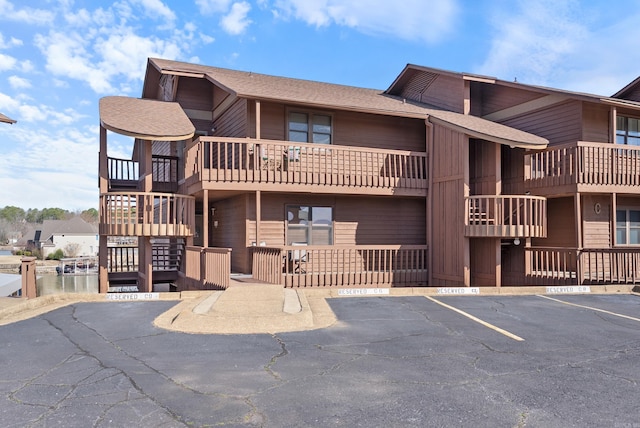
(413, 20)
(27, 15)
(8, 103)
(126, 53)
(66, 55)
(9, 44)
(7, 62)
(236, 21)
(554, 43)
(530, 44)
(156, 8)
(17, 82)
(208, 7)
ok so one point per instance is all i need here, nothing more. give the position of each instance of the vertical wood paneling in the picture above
(561, 231)
(448, 206)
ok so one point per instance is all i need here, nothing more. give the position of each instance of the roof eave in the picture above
(541, 144)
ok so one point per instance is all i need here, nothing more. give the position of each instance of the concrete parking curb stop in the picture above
(267, 308)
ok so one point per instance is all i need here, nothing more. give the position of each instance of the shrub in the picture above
(56, 255)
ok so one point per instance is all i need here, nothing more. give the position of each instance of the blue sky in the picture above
(58, 57)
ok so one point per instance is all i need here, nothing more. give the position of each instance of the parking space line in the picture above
(590, 307)
(471, 317)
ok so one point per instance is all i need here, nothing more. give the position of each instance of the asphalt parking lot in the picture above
(534, 361)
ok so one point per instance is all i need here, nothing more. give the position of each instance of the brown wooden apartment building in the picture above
(444, 179)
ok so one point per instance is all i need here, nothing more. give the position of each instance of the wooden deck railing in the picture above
(146, 214)
(125, 173)
(584, 163)
(243, 161)
(506, 216)
(207, 268)
(356, 266)
(572, 266)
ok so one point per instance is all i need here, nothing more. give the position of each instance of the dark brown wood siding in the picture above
(190, 93)
(351, 128)
(450, 157)
(483, 262)
(234, 122)
(512, 171)
(231, 232)
(559, 124)
(596, 120)
(490, 98)
(483, 167)
(446, 92)
(357, 220)
(561, 226)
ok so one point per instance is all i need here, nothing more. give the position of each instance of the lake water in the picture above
(56, 284)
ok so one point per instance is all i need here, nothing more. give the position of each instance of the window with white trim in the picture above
(628, 227)
(309, 225)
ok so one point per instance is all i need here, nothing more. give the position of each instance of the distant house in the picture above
(5, 119)
(74, 237)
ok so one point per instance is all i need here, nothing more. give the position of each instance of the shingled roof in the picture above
(5, 119)
(145, 119)
(328, 95)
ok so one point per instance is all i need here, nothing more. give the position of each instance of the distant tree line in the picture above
(33, 215)
(14, 220)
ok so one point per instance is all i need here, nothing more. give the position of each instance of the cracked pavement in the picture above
(388, 361)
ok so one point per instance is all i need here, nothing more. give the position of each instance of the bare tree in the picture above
(71, 249)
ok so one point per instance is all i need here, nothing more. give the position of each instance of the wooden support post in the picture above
(429, 204)
(103, 259)
(103, 184)
(614, 219)
(145, 261)
(578, 214)
(28, 270)
(258, 215)
(466, 244)
(207, 218)
(103, 162)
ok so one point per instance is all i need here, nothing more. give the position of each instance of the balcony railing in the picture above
(238, 163)
(146, 214)
(355, 266)
(584, 164)
(207, 268)
(506, 216)
(573, 266)
(125, 173)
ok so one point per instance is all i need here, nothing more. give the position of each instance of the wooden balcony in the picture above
(506, 216)
(583, 167)
(342, 266)
(574, 266)
(124, 174)
(248, 164)
(146, 214)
